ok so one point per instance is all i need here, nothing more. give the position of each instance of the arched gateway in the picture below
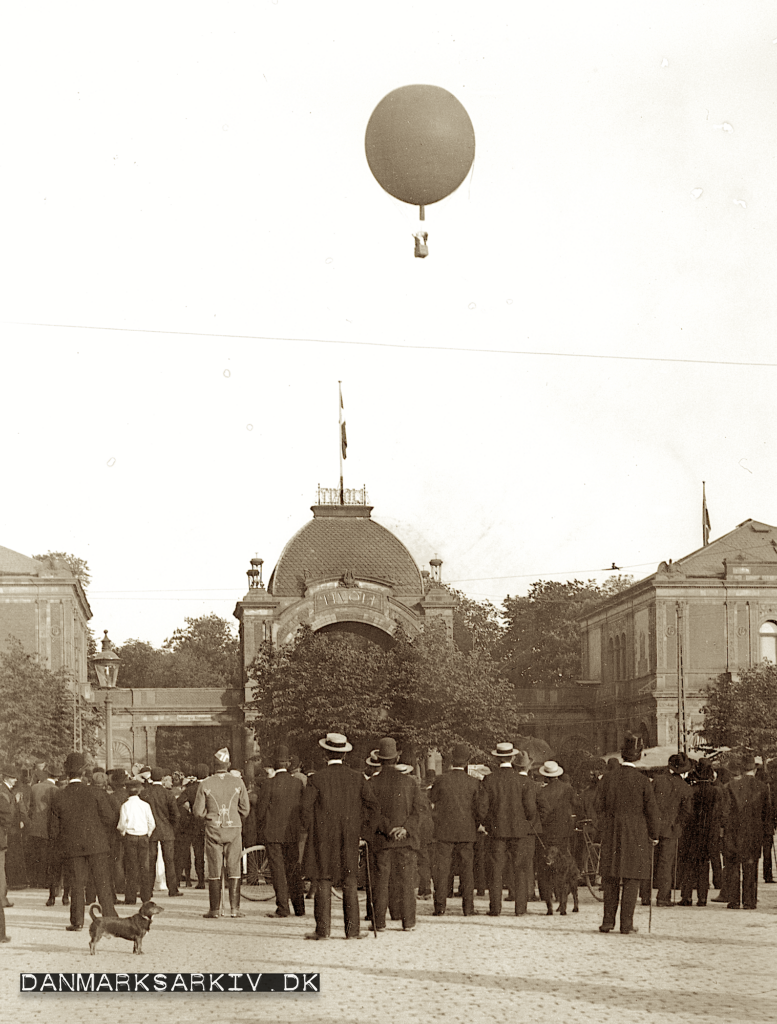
(342, 572)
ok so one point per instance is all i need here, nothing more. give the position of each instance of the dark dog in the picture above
(563, 876)
(132, 928)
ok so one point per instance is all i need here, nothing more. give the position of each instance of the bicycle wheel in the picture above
(256, 883)
(591, 869)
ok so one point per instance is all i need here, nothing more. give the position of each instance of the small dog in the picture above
(564, 876)
(132, 928)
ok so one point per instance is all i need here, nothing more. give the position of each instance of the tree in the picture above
(476, 625)
(77, 566)
(208, 641)
(542, 640)
(742, 712)
(206, 653)
(423, 691)
(37, 720)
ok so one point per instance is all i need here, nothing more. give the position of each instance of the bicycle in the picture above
(256, 879)
(591, 860)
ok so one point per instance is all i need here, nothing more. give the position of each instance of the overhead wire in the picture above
(397, 345)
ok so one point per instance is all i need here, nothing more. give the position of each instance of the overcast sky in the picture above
(194, 252)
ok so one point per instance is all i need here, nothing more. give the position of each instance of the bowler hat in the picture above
(551, 770)
(202, 771)
(336, 742)
(118, 777)
(747, 763)
(387, 749)
(9, 772)
(680, 763)
(522, 760)
(75, 761)
(157, 774)
(460, 753)
(282, 753)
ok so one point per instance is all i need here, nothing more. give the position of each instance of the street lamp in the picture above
(106, 665)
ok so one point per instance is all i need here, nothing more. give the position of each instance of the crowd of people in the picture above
(89, 836)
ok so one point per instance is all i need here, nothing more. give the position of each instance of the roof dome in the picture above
(343, 539)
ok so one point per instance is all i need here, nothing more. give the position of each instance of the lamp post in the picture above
(106, 665)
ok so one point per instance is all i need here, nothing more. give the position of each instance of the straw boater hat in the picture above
(505, 750)
(372, 760)
(336, 742)
(405, 769)
(551, 770)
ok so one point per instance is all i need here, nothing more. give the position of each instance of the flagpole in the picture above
(340, 437)
(705, 516)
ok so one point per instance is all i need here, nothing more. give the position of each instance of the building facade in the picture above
(650, 651)
(44, 606)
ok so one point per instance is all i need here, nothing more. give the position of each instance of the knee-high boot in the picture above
(234, 898)
(214, 895)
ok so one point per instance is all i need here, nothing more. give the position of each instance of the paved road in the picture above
(698, 965)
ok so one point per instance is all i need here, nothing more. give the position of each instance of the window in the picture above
(767, 639)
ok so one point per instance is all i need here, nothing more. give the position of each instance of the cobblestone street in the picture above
(698, 965)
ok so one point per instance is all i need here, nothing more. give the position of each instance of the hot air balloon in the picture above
(420, 145)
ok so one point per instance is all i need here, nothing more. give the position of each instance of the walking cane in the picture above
(369, 887)
(650, 908)
(674, 876)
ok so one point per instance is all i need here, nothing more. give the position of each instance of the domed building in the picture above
(341, 573)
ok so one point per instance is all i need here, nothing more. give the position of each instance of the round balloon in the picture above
(420, 143)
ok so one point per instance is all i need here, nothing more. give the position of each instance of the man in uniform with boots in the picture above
(222, 801)
(336, 799)
(458, 810)
(629, 824)
(278, 815)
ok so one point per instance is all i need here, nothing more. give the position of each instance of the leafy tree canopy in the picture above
(205, 653)
(743, 712)
(542, 640)
(37, 719)
(78, 566)
(423, 691)
(476, 625)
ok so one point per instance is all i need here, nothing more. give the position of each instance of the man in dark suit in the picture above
(335, 801)
(83, 820)
(38, 832)
(675, 806)
(746, 815)
(166, 815)
(278, 812)
(458, 810)
(7, 782)
(394, 835)
(629, 824)
(510, 807)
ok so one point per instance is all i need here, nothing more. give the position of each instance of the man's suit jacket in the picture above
(557, 806)
(675, 803)
(83, 819)
(397, 805)
(164, 809)
(746, 816)
(40, 807)
(279, 808)
(335, 800)
(510, 804)
(6, 814)
(628, 819)
(458, 807)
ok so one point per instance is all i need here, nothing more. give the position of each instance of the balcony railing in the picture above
(351, 495)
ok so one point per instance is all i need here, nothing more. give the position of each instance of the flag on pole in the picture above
(705, 516)
(343, 438)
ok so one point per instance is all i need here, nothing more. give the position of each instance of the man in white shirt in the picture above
(136, 823)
